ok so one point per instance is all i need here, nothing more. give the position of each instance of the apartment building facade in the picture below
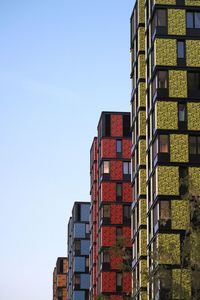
(78, 252)
(60, 274)
(110, 208)
(165, 51)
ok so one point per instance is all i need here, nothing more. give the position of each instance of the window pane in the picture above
(190, 23)
(119, 189)
(182, 112)
(197, 20)
(162, 80)
(119, 232)
(192, 144)
(119, 279)
(106, 211)
(106, 167)
(180, 49)
(119, 146)
(106, 257)
(164, 212)
(198, 145)
(164, 143)
(125, 167)
(161, 18)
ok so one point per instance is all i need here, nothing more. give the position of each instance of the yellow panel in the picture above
(165, 52)
(167, 180)
(142, 212)
(141, 66)
(177, 84)
(141, 11)
(166, 115)
(186, 283)
(193, 112)
(143, 295)
(142, 123)
(179, 148)
(143, 273)
(194, 247)
(143, 242)
(141, 39)
(142, 152)
(192, 53)
(192, 2)
(176, 22)
(194, 178)
(142, 94)
(180, 214)
(170, 2)
(169, 248)
(142, 181)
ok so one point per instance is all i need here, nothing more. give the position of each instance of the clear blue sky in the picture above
(62, 62)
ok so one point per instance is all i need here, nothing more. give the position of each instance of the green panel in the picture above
(186, 283)
(141, 39)
(166, 115)
(142, 152)
(180, 214)
(179, 148)
(177, 84)
(143, 242)
(169, 248)
(165, 52)
(164, 2)
(192, 53)
(167, 179)
(176, 22)
(193, 113)
(142, 123)
(192, 2)
(142, 94)
(143, 273)
(194, 178)
(141, 11)
(141, 66)
(142, 182)
(142, 212)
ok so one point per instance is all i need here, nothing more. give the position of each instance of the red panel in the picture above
(116, 214)
(108, 282)
(116, 125)
(127, 192)
(126, 148)
(116, 170)
(115, 297)
(115, 261)
(108, 191)
(108, 148)
(126, 282)
(127, 236)
(108, 236)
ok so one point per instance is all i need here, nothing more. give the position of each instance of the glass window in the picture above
(77, 279)
(126, 167)
(106, 211)
(119, 189)
(77, 245)
(164, 144)
(162, 80)
(119, 279)
(165, 214)
(194, 80)
(182, 112)
(119, 232)
(161, 20)
(127, 212)
(106, 257)
(194, 145)
(87, 228)
(119, 146)
(180, 49)
(190, 20)
(197, 20)
(106, 167)
(87, 262)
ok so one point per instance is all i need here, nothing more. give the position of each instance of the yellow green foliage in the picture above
(169, 248)
(192, 53)
(141, 39)
(143, 242)
(179, 148)
(194, 177)
(166, 115)
(142, 152)
(180, 214)
(142, 94)
(193, 112)
(165, 52)
(177, 84)
(142, 181)
(186, 283)
(176, 22)
(167, 180)
(142, 211)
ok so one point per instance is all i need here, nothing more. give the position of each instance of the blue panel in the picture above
(85, 212)
(85, 281)
(79, 264)
(79, 230)
(79, 295)
(85, 247)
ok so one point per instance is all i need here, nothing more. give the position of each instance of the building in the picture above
(165, 72)
(78, 252)
(60, 279)
(111, 199)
